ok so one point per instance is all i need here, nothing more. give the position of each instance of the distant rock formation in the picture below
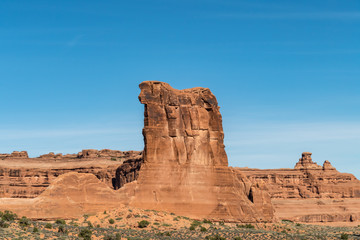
(70, 196)
(23, 177)
(15, 154)
(185, 168)
(305, 162)
(306, 180)
(328, 167)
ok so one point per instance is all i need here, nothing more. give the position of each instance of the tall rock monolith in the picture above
(185, 167)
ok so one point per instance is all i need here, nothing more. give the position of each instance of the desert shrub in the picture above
(143, 224)
(344, 236)
(156, 223)
(215, 237)
(221, 223)
(85, 234)
(24, 222)
(167, 234)
(8, 216)
(3, 224)
(196, 223)
(287, 221)
(60, 221)
(112, 237)
(237, 238)
(111, 221)
(207, 221)
(62, 229)
(245, 226)
(203, 229)
(35, 230)
(48, 225)
(89, 224)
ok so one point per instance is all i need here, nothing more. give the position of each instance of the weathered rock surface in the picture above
(310, 192)
(185, 168)
(306, 163)
(127, 172)
(306, 180)
(313, 210)
(69, 196)
(23, 177)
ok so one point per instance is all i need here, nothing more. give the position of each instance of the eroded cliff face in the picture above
(306, 180)
(24, 177)
(310, 192)
(185, 168)
(71, 195)
(185, 126)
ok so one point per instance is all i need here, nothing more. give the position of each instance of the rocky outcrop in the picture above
(306, 180)
(15, 154)
(310, 192)
(185, 126)
(313, 210)
(22, 177)
(127, 172)
(328, 167)
(306, 163)
(185, 167)
(69, 196)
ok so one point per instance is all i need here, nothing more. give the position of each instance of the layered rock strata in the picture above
(185, 167)
(306, 180)
(310, 192)
(70, 196)
(23, 177)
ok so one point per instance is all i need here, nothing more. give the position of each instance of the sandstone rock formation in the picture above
(185, 167)
(15, 154)
(305, 162)
(127, 172)
(306, 180)
(23, 177)
(309, 192)
(313, 210)
(69, 196)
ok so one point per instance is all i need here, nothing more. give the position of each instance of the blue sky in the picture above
(285, 73)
